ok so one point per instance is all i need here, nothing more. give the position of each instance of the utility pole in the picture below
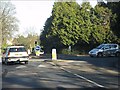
(0, 39)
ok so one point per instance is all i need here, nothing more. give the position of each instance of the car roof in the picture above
(15, 46)
(109, 44)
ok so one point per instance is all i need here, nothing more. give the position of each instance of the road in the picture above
(78, 72)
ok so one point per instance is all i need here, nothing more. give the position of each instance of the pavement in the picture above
(104, 62)
(77, 65)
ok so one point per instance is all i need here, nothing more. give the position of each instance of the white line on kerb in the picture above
(79, 76)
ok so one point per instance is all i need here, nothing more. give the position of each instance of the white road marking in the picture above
(41, 66)
(21, 66)
(79, 76)
(89, 80)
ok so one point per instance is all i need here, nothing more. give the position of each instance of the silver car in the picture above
(104, 50)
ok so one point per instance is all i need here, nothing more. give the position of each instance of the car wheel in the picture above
(91, 56)
(3, 62)
(26, 62)
(118, 54)
(99, 55)
(6, 63)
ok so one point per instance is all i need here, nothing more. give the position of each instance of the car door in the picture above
(113, 49)
(107, 50)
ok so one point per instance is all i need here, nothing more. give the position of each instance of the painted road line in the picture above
(21, 66)
(58, 60)
(33, 60)
(42, 66)
(99, 85)
(79, 76)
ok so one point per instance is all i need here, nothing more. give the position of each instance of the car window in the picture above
(17, 50)
(100, 46)
(113, 46)
(107, 47)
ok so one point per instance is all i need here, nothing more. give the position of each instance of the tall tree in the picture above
(72, 24)
(61, 26)
(27, 40)
(115, 26)
(102, 24)
(8, 20)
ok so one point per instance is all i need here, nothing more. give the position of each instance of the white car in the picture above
(15, 54)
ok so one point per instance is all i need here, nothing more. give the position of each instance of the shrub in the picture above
(74, 52)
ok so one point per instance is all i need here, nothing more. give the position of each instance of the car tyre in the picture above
(91, 56)
(26, 62)
(100, 55)
(6, 63)
(3, 62)
(118, 54)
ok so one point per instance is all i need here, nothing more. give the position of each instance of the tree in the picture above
(28, 41)
(60, 28)
(115, 25)
(75, 25)
(102, 24)
(65, 22)
(96, 24)
(8, 21)
(114, 19)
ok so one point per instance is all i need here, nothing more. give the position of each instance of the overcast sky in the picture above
(33, 14)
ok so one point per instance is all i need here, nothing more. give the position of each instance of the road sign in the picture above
(37, 47)
(37, 50)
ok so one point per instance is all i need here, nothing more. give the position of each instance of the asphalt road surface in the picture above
(78, 72)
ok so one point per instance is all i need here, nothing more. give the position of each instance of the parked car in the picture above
(15, 54)
(105, 50)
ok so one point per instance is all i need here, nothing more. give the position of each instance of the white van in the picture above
(15, 54)
(105, 50)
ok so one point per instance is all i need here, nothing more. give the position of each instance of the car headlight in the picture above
(90, 52)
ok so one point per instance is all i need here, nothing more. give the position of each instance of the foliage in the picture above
(73, 25)
(8, 21)
(104, 33)
(115, 26)
(28, 41)
(73, 52)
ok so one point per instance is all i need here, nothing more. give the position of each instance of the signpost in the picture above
(37, 50)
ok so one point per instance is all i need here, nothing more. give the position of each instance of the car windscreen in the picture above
(17, 50)
(100, 46)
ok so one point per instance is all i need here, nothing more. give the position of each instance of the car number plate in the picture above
(18, 54)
